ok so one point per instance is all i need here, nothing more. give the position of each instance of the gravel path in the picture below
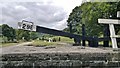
(10, 49)
(62, 48)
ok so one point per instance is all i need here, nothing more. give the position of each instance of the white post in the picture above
(113, 38)
(49, 39)
(118, 14)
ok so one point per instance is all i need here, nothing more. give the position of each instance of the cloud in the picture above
(46, 13)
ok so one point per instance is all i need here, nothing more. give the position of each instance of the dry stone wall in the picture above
(61, 60)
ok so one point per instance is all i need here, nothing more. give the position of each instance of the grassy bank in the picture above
(46, 43)
(7, 44)
(64, 39)
(43, 43)
(10, 43)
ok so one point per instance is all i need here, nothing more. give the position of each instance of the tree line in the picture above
(88, 14)
(10, 34)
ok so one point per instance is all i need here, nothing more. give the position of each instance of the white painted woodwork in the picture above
(112, 34)
(109, 21)
(118, 14)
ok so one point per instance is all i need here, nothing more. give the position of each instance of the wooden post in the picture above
(106, 34)
(96, 41)
(91, 41)
(70, 27)
(83, 35)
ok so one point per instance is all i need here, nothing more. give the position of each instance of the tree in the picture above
(75, 20)
(12, 34)
(33, 35)
(20, 34)
(26, 35)
(88, 14)
(8, 32)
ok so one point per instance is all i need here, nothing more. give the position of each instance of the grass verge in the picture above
(43, 43)
(64, 39)
(7, 44)
(10, 44)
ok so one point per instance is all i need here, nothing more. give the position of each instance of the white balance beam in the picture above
(109, 21)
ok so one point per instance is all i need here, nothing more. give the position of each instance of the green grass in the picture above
(101, 43)
(64, 39)
(7, 44)
(43, 43)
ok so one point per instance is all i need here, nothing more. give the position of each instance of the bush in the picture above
(4, 39)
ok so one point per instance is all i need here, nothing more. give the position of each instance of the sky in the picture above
(47, 13)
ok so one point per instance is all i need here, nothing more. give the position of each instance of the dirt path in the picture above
(62, 48)
(11, 48)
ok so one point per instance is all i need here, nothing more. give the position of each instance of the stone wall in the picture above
(61, 60)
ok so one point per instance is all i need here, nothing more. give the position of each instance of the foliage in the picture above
(3, 39)
(8, 32)
(34, 35)
(88, 14)
(19, 34)
(26, 35)
(22, 35)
